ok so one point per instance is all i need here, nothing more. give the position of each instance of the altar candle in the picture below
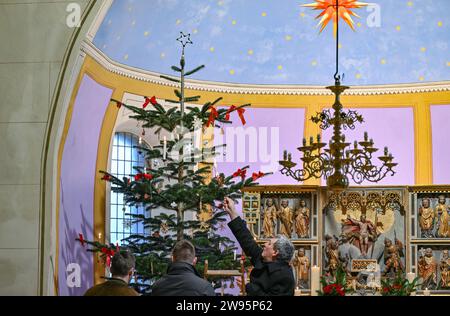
(426, 292)
(234, 255)
(315, 280)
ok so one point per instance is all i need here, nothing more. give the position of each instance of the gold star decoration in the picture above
(329, 12)
(204, 216)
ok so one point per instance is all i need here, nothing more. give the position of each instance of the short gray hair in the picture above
(285, 248)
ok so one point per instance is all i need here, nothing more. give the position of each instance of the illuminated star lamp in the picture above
(330, 12)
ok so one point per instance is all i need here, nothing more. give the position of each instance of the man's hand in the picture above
(229, 207)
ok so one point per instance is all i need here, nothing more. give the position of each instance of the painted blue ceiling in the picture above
(277, 41)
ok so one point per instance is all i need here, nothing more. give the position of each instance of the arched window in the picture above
(124, 157)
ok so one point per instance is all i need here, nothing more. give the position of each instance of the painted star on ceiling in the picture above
(329, 8)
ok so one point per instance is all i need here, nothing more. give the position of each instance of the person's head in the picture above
(122, 265)
(278, 249)
(269, 202)
(441, 199)
(445, 254)
(184, 251)
(428, 252)
(426, 202)
(363, 218)
(302, 203)
(285, 203)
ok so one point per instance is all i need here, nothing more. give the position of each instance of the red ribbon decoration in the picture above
(147, 101)
(240, 111)
(151, 100)
(139, 176)
(108, 253)
(240, 173)
(106, 177)
(81, 239)
(212, 116)
(118, 104)
(258, 175)
(231, 109)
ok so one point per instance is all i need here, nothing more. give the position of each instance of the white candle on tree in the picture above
(165, 147)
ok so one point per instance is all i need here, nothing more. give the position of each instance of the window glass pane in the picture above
(124, 158)
(120, 139)
(114, 152)
(121, 155)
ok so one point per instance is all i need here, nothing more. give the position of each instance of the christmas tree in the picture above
(178, 186)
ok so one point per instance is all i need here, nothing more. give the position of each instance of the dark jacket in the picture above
(182, 280)
(267, 278)
(112, 287)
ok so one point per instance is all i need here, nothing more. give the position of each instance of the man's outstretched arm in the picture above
(241, 232)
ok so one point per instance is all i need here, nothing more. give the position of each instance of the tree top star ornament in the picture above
(330, 11)
(184, 40)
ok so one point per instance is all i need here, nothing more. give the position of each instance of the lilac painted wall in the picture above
(78, 171)
(391, 127)
(267, 133)
(440, 121)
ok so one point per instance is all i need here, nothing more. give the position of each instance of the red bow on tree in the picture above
(151, 100)
(243, 257)
(256, 176)
(231, 109)
(106, 177)
(81, 239)
(108, 253)
(212, 116)
(240, 173)
(240, 111)
(143, 175)
(118, 104)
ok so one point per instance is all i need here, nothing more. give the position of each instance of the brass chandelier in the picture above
(339, 161)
